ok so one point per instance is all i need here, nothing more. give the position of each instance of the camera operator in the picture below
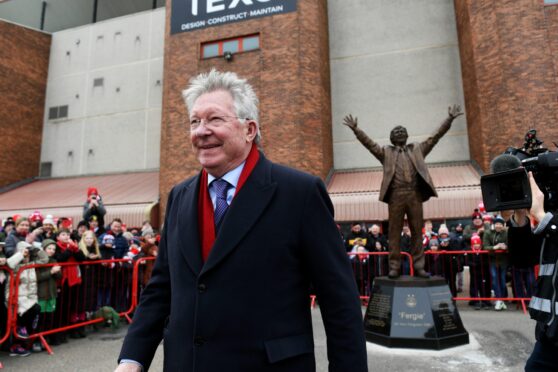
(532, 246)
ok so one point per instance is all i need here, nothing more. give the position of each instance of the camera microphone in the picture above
(504, 162)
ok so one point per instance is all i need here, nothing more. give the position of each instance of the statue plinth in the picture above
(411, 312)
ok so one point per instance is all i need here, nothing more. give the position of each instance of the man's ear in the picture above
(251, 130)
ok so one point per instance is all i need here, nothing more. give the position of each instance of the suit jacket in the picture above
(247, 308)
(387, 155)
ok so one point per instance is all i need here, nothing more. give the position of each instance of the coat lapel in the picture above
(188, 233)
(243, 213)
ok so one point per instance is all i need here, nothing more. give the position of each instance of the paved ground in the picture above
(500, 341)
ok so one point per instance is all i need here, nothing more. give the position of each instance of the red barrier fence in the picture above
(485, 272)
(118, 284)
(113, 283)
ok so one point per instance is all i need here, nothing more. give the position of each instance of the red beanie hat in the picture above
(481, 207)
(475, 239)
(487, 218)
(92, 190)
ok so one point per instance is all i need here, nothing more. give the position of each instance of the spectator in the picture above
(458, 243)
(148, 249)
(94, 226)
(146, 225)
(434, 262)
(451, 265)
(82, 227)
(49, 231)
(496, 241)
(89, 246)
(120, 242)
(8, 226)
(3, 277)
(19, 234)
(356, 232)
(374, 235)
(48, 290)
(27, 301)
(65, 223)
(35, 220)
(428, 233)
(405, 246)
(360, 261)
(68, 251)
(477, 228)
(106, 273)
(94, 206)
(479, 286)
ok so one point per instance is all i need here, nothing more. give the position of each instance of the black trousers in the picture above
(544, 358)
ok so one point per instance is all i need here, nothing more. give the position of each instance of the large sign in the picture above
(190, 15)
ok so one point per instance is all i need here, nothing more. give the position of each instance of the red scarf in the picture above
(70, 273)
(205, 206)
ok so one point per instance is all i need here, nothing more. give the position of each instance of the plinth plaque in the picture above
(415, 313)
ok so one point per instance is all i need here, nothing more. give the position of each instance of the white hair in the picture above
(244, 97)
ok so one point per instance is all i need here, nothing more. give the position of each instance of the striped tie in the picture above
(220, 186)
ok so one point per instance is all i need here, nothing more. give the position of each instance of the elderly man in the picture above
(405, 186)
(230, 287)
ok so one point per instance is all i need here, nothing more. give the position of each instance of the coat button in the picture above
(202, 288)
(199, 341)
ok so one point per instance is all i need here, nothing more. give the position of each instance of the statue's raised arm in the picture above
(453, 112)
(368, 142)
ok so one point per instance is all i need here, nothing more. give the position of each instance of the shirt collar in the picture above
(231, 176)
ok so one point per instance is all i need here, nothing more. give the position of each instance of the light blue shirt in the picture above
(231, 177)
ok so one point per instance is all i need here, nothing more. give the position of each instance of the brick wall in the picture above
(290, 74)
(24, 57)
(509, 58)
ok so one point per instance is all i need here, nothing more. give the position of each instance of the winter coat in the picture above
(530, 247)
(11, 242)
(490, 239)
(98, 211)
(47, 288)
(27, 291)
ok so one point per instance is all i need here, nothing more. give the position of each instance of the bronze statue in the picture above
(405, 186)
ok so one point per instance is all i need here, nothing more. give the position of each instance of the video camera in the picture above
(508, 186)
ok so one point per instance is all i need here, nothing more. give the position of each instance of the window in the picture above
(98, 82)
(236, 45)
(46, 169)
(58, 112)
(549, 2)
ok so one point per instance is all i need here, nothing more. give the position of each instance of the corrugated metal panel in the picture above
(128, 196)
(443, 175)
(127, 188)
(355, 194)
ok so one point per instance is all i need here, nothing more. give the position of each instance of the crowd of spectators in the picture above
(480, 253)
(54, 296)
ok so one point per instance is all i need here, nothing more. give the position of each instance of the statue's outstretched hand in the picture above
(454, 111)
(350, 121)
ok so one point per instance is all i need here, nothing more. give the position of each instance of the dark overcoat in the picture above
(247, 307)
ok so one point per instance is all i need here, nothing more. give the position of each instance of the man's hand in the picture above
(350, 121)
(537, 206)
(128, 367)
(454, 111)
(55, 269)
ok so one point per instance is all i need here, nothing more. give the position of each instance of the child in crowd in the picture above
(89, 246)
(27, 302)
(148, 249)
(48, 290)
(68, 251)
(479, 286)
(106, 272)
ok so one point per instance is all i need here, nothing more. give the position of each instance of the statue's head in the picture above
(398, 136)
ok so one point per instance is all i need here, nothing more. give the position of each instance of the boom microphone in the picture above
(504, 162)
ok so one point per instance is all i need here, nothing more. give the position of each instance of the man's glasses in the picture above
(212, 122)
